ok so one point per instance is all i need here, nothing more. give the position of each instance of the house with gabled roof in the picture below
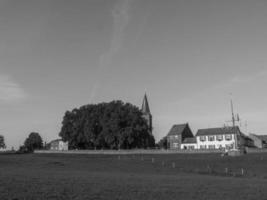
(177, 135)
(259, 141)
(58, 145)
(225, 138)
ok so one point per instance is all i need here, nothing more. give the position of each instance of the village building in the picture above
(59, 145)
(146, 113)
(259, 141)
(225, 138)
(189, 143)
(179, 134)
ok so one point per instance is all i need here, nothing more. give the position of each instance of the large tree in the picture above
(114, 125)
(2, 142)
(33, 142)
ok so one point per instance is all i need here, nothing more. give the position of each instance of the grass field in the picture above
(175, 176)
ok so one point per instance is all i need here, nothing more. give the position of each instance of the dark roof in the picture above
(190, 140)
(177, 129)
(55, 141)
(218, 131)
(261, 137)
(145, 106)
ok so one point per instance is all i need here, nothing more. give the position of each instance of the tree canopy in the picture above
(163, 143)
(114, 125)
(2, 142)
(33, 142)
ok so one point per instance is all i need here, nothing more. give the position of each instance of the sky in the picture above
(190, 57)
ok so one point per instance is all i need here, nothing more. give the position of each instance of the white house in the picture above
(189, 143)
(59, 145)
(225, 138)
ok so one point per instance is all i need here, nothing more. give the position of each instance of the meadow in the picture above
(144, 177)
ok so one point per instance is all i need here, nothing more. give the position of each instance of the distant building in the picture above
(146, 113)
(225, 138)
(179, 134)
(189, 143)
(59, 145)
(259, 141)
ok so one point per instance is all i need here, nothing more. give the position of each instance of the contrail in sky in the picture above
(10, 91)
(120, 15)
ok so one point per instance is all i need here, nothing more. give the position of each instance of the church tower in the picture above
(146, 113)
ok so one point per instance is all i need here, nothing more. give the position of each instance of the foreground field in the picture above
(183, 176)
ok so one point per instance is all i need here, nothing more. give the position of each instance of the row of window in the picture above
(218, 137)
(227, 146)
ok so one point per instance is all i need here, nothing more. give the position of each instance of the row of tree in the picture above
(2, 142)
(32, 142)
(114, 125)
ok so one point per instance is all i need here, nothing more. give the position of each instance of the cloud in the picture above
(120, 16)
(242, 79)
(10, 91)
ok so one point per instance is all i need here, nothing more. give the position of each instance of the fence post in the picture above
(173, 165)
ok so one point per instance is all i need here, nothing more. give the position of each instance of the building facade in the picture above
(189, 144)
(259, 141)
(177, 136)
(226, 138)
(59, 145)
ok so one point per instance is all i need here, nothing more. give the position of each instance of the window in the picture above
(211, 146)
(175, 145)
(219, 137)
(228, 137)
(202, 146)
(211, 138)
(202, 138)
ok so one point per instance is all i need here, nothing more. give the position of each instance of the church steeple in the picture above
(146, 113)
(145, 106)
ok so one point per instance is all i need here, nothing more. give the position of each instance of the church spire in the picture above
(146, 113)
(145, 106)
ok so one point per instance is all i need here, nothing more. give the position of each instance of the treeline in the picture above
(114, 125)
(2, 142)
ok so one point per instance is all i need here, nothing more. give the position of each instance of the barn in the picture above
(177, 135)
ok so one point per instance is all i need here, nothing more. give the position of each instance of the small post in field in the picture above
(152, 160)
(242, 172)
(173, 165)
(209, 169)
(226, 170)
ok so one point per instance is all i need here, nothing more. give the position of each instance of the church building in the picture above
(146, 113)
